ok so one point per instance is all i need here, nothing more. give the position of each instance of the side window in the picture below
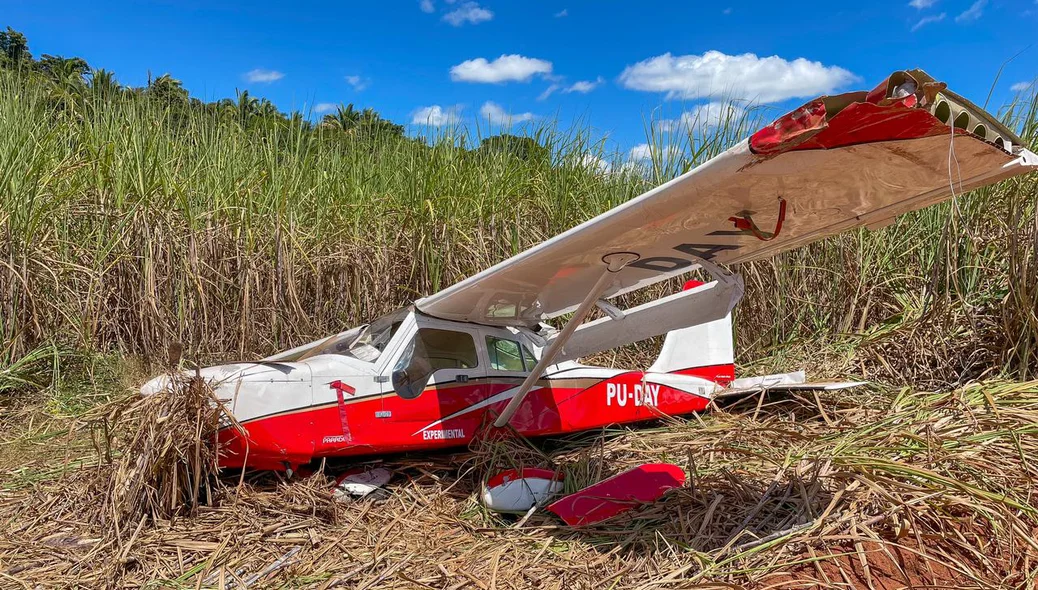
(428, 351)
(505, 355)
(528, 358)
(447, 349)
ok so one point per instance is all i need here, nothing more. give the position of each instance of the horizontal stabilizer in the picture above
(706, 303)
(781, 382)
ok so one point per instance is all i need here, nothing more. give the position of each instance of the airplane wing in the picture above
(836, 163)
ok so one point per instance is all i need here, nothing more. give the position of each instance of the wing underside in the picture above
(834, 164)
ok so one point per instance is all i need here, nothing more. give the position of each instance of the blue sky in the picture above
(611, 64)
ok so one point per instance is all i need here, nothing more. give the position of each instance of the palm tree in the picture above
(268, 110)
(67, 82)
(66, 72)
(103, 83)
(373, 124)
(246, 108)
(167, 89)
(344, 118)
(296, 120)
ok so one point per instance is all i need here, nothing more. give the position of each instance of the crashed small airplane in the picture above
(438, 373)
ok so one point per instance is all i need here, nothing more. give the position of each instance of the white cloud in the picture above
(325, 107)
(726, 11)
(765, 79)
(974, 12)
(596, 163)
(263, 76)
(640, 157)
(549, 91)
(469, 12)
(357, 82)
(435, 115)
(584, 86)
(498, 116)
(562, 13)
(927, 20)
(427, 6)
(704, 116)
(506, 68)
(581, 86)
(921, 4)
(642, 151)
(1020, 86)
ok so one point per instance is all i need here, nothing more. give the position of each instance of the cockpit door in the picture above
(437, 384)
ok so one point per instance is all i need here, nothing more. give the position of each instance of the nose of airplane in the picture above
(215, 376)
(160, 383)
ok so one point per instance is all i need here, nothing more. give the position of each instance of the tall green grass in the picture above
(131, 226)
(128, 226)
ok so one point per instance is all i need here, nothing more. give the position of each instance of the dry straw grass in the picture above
(872, 489)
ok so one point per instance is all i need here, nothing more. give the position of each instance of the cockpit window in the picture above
(504, 354)
(364, 343)
(372, 340)
(508, 355)
(448, 349)
(528, 358)
(431, 350)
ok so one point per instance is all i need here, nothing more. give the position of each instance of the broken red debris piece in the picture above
(851, 119)
(622, 492)
(790, 130)
(525, 472)
(519, 490)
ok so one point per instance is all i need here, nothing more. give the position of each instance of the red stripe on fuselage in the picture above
(721, 374)
(389, 423)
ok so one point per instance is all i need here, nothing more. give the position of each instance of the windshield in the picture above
(364, 343)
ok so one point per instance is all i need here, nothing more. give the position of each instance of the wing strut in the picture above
(614, 264)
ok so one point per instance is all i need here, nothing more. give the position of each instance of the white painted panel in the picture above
(706, 303)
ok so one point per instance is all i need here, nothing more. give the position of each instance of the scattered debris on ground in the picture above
(871, 489)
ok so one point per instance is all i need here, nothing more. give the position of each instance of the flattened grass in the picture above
(890, 488)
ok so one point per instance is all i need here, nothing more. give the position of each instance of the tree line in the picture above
(72, 81)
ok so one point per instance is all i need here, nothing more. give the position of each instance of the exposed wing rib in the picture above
(834, 164)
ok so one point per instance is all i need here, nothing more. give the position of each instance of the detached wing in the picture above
(836, 163)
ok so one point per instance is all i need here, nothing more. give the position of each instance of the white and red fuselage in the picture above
(569, 399)
(333, 404)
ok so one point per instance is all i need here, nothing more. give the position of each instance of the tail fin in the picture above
(703, 351)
